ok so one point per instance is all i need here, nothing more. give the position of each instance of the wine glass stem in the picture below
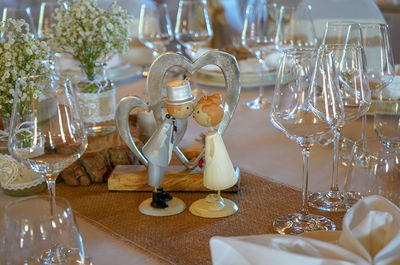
(261, 77)
(336, 138)
(51, 185)
(363, 130)
(305, 155)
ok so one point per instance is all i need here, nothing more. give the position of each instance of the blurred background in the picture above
(227, 17)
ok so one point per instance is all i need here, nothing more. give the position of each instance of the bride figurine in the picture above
(158, 150)
(219, 173)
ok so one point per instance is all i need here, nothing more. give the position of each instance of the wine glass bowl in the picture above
(306, 106)
(33, 237)
(379, 55)
(155, 27)
(46, 131)
(193, 28)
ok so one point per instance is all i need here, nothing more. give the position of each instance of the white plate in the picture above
(248, 80)
(326, 236)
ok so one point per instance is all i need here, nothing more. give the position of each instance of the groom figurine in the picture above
(158, 149)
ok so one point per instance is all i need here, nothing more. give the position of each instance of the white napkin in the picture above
(371, 235)
(249, 65)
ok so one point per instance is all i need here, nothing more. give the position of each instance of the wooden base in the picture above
(176, 178)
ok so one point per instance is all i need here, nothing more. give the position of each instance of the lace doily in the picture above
(97, 107)
(15, 176)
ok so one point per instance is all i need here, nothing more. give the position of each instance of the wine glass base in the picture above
(294, 224)
(257, 104)
(175, 206)
(331, 201)
(212, 207)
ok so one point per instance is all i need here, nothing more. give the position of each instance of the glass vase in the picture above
(96, 97)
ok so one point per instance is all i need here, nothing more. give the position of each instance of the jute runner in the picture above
(184, 238)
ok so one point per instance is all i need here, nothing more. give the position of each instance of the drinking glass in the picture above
(342, 32)
(259, 37)
(19, 13)
(193, 28)
(295, 27)
(34, 237)
(374, 169)
(306, 106)
(387, 117)
(379, 55)
(155, 27)
(43, 18)
(46, 130)
(356, 98)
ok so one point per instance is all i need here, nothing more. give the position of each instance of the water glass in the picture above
(32, 236)
(374, 169)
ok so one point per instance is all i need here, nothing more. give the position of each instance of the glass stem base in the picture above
(296, 223)
(330, 201)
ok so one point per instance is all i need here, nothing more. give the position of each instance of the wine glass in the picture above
(33, 237)
(356, 98)
(259, 37)
(155, 27)
(373, 169)
(306, 106)
(295, 27)
(342, 32)
(387, 117)
(379, 55)
(19, 13)
(193, 28)
(46, 130)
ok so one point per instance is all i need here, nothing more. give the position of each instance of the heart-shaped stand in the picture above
(226, 62)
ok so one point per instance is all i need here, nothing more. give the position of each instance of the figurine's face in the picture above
(201, 117)
(181, 111)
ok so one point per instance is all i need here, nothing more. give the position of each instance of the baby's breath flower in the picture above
(91, 34)
(19, 54)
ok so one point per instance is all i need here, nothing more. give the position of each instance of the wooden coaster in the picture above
(176, 178)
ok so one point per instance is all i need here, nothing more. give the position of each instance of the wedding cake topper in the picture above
(178, 103)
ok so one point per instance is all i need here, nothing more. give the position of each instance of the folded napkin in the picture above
(371, 235)
(249, 65)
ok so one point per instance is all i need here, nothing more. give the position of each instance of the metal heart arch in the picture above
(229, 67)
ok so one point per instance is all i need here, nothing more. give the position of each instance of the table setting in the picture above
(280, 148)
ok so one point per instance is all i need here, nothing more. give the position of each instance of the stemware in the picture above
(33, 237)
(379, 55)
(356, 98)
(259, 37)
(43, 18)
(295, 27)
(373, 169)
(193, 28)
(19, 13)
(306, 106)
(46, 131)
(387, 117)
(155, 27)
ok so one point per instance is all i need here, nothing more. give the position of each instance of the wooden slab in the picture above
(176, 178)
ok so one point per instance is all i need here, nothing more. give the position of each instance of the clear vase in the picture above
(96, 98)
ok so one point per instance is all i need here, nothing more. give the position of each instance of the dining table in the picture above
(261, 152)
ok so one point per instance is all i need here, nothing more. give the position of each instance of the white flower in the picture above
(6, 46)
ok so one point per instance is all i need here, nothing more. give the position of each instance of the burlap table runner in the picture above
(184, 238)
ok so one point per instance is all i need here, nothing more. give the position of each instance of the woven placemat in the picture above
(184, 238)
